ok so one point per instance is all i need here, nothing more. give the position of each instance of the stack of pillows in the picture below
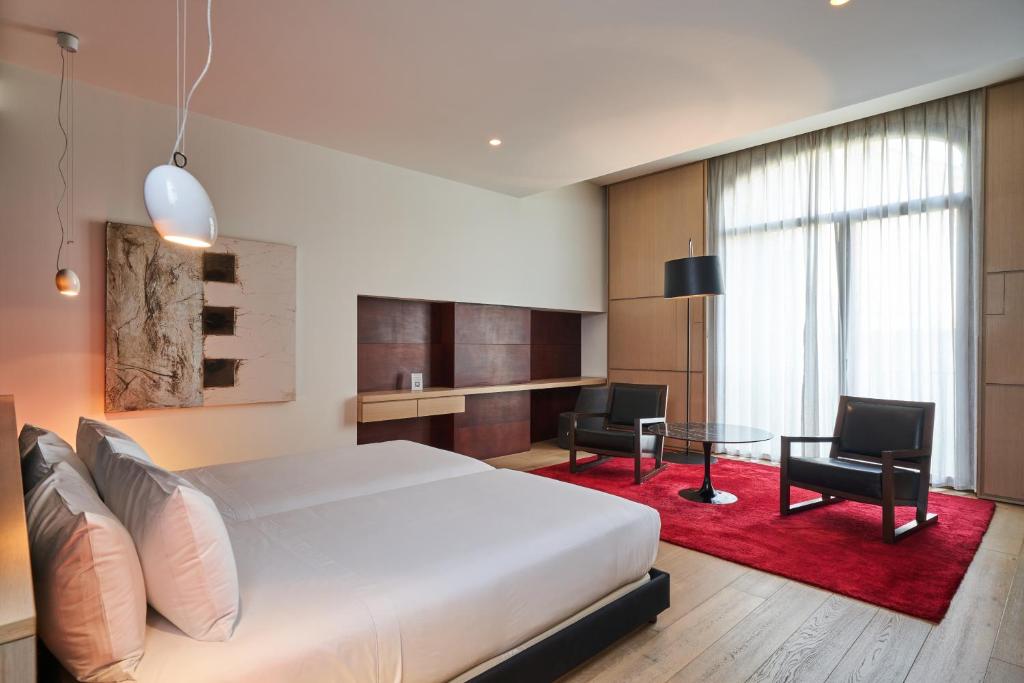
(109, 531)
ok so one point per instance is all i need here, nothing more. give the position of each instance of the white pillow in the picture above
(90, 596)
(183, 546)
(91, 432)
(41, 449)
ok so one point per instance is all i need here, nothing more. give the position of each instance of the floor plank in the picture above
(1009, 645)
(761, 584)
(1003, 672)
(741, 651)
(695, 577)
(819, 644)
(958, 649)
(1006, 533)
(884, 651)
(684, 640)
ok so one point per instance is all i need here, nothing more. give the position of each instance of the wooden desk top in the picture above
(438, 392)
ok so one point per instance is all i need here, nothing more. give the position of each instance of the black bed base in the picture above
(561, 652)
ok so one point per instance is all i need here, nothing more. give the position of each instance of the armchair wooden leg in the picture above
(888, 505)
(637, 476)
(572, 460)
(784, 498)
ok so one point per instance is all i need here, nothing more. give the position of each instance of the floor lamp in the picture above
(686, 278)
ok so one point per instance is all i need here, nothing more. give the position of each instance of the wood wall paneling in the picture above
(1003, 471)
(479, 364)
(1004, 332)
(433, 431)
(650, 221)
(1004, 170)
(650, 334)
(555, 360)
(545, 407)
(1001, 457)
(485, 324)
(493, 424)
(397, 337)
(492, 345)
(555, 327)
(555, 351)
(388, 366)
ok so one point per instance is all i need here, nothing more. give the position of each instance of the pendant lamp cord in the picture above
(63, 156)
(202, 74)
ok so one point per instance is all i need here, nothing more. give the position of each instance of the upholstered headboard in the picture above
(17, 605)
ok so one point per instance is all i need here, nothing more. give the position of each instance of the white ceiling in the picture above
(577, 89)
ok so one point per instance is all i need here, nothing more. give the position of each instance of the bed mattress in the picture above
(416, 583)
(246, 490)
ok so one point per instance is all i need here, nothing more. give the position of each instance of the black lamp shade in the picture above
(693, 276)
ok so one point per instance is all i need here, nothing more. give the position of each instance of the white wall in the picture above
(361, 227)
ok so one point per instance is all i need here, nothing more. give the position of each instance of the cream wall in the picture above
(361, 227)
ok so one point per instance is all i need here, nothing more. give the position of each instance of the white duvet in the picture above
(245, 490)
(419, 582)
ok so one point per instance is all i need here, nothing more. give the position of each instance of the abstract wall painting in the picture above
(188, 327)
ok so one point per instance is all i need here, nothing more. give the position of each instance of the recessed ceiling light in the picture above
(838, 3)
(494, 142)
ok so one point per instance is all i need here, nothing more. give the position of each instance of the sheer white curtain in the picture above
(851, 259)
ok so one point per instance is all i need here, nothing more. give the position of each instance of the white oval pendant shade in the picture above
(179, 207)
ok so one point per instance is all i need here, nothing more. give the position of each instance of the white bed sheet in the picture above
(246, 490)
(413, 584)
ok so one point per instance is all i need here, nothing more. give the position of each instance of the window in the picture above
(850, 268)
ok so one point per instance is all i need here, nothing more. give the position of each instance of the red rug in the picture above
(838, 547)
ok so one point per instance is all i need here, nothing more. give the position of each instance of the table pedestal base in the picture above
(713, 497)
(707, 493)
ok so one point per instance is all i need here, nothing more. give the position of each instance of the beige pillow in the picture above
(182, 543)
(90, 596)
(91, 432)
(41, 449)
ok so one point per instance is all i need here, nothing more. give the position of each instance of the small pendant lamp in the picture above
(66, 280)
(178, 205)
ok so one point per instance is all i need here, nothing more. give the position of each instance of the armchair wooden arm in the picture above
(785, 447)
(574, 422)
(638, 432)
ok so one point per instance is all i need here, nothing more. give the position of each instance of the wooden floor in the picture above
(732, 623)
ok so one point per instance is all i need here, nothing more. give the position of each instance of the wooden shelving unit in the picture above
(497, 376)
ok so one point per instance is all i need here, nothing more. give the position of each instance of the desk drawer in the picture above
(444, 405)
(387, 410)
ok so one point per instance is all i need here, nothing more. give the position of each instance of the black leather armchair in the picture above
(631, 408)
(881, 454)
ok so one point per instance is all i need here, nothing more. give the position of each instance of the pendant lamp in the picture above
(178, 205)
(66, 280)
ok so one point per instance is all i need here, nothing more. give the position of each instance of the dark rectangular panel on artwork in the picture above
(219, 372)
(484, 324)
(486, 364)
(433, 431)
(545, 407)
(493, 425)
(219, 320)
(219, 267)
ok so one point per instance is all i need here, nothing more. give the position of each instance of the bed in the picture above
(400, 562)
